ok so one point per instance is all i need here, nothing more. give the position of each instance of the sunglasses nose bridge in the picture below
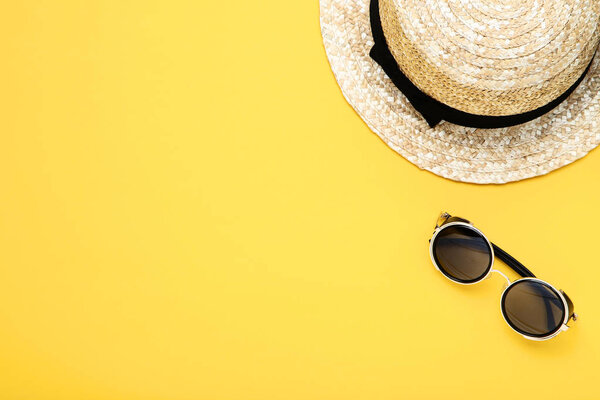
(503, 275)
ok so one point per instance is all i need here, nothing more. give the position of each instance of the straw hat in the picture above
(483, 91)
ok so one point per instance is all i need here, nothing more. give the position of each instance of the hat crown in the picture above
(492, 57)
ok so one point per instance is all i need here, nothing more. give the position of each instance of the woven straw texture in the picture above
(559, 137)
(508, 59)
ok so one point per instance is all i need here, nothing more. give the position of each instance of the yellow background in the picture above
(190, 210)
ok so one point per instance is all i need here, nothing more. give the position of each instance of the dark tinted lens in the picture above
(533, 308)
(462, 254)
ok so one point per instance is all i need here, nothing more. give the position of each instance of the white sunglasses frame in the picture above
(441, 226)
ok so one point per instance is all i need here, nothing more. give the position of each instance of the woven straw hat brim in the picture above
(558, 138)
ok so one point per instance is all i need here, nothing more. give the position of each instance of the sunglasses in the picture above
(530, 306)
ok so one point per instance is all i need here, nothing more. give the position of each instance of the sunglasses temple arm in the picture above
(509, 260)
(512, 262)
(572, 314)
(446, 218)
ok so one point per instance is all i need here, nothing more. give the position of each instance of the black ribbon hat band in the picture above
(431, 109)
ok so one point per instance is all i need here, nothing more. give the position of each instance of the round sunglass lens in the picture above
(533, 308)
(462, 254)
